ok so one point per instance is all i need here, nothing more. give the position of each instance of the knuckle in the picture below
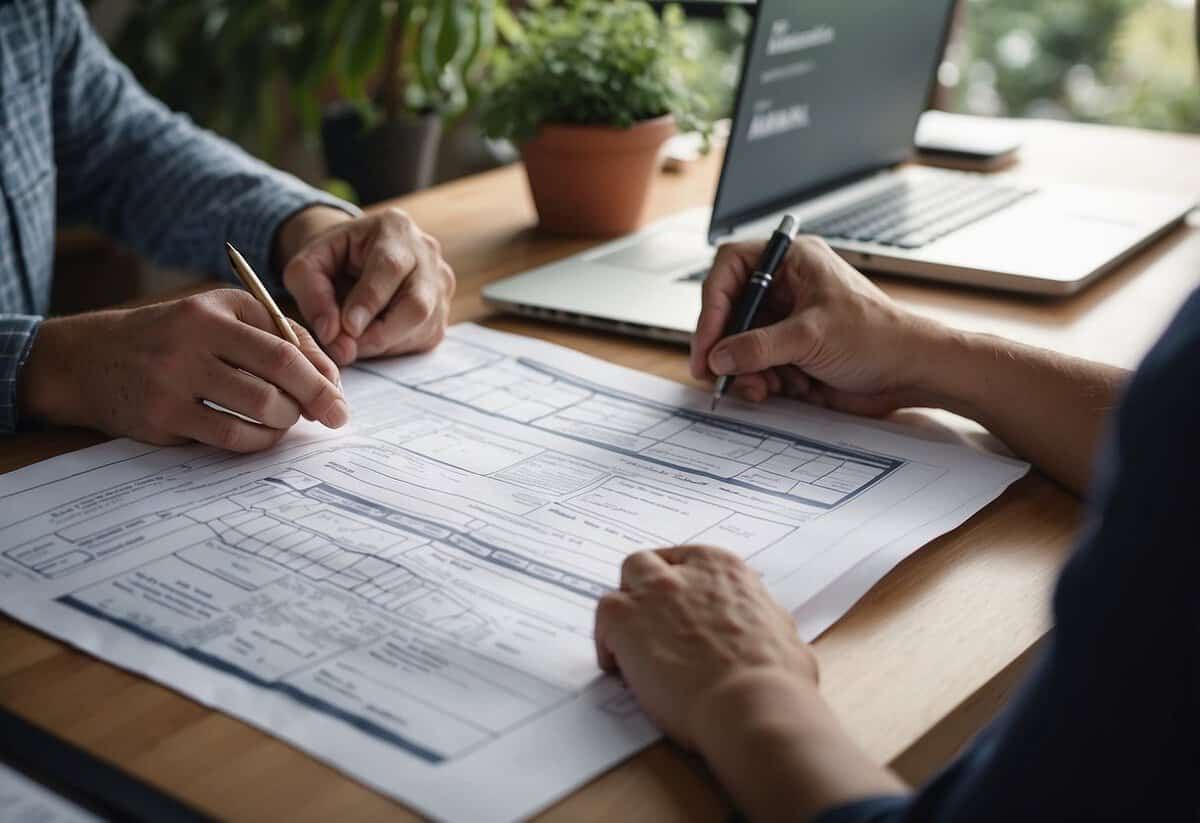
(284, 356)
(811, 245)
(395, 217)
(260, 400)
(661, 583)
(374, 292)
(810, 328)
(449, 279)
(322, 401)
(394, 260)
(193, 309)
(423, 304)
(432, 339)
(307, 342)
(718, 557)
(228, 434)
(757, 347)
(612, 607)
(434, 244)
(638, 561)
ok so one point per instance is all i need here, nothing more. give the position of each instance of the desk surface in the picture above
(913, 670)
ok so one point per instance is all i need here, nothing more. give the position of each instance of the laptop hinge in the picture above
(731, 224)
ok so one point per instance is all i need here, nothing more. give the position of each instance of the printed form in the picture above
(412, 600)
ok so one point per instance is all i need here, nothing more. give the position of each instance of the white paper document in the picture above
(412, 600)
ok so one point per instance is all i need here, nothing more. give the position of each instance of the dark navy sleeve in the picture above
(1107, 726)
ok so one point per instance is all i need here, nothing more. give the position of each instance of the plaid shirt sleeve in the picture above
(150, 177)
(16, 338)
(144, 175)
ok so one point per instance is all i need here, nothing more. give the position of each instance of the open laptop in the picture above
(827, 108)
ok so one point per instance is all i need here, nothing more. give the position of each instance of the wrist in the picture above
(295, 232)
(775, 745)
(758, 699)
(47, 389)
(942, 362)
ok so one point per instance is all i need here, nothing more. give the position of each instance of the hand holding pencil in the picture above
(155, 373)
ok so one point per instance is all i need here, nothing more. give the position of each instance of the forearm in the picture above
(1047, 407)
(779, 751)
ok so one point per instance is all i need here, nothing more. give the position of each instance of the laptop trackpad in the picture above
(660, 253)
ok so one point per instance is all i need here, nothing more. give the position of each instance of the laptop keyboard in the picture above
(914, 213)
(910, 214)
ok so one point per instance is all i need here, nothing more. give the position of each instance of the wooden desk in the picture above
(914, 669)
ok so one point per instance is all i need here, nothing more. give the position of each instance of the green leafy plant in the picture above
(232, 63)
(591, 62)
(393, 57)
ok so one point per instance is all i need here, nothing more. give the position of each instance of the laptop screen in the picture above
(830, 89)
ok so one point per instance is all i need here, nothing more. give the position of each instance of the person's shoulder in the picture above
(1166, 381)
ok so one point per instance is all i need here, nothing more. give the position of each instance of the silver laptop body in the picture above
(821, 133)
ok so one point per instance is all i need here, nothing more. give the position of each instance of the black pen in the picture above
(756, 290)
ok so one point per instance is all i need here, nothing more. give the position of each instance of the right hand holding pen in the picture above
(144, 373)
(826, 334)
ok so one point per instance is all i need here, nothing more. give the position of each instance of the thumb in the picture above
(312, 287)
(757, 350)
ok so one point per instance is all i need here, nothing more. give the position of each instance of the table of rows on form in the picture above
(427, 581)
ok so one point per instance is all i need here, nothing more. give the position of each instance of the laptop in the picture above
(827, 108)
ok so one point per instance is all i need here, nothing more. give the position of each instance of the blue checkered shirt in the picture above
(82, 142)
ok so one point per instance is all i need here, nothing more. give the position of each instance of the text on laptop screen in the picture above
(830, 89)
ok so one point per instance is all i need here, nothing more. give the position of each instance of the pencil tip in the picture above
(712, 407)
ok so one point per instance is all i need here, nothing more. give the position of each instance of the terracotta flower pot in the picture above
(594, 180)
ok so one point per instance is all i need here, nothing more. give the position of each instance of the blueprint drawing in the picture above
(412, 599)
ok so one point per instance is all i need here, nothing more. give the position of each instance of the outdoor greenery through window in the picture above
(1128, 62)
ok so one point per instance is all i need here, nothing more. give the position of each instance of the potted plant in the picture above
(590, 91)
(375, 78)
(402, 67)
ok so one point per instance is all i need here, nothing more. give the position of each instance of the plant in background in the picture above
(713, 50)
(217, 60)
(255, 69)
(1115, 61)
(392, 58)
(591, 62)
(590, 91)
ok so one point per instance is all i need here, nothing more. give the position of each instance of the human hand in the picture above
(693, 629)
(144, 373)
(395, 286)
(826, 334)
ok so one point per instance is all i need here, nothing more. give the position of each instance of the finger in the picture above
(318, 358)
(730, 271)
(774, 384)
(640, 567)
(344, 350)
(389, 264)
(409, 322)
(792, 340)
(285, 366)
(681, 555)
(308, 277)
(612, 610)
(248, 395)
(752, 388)
(796, 382)
(215, 428)
(251, 312)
